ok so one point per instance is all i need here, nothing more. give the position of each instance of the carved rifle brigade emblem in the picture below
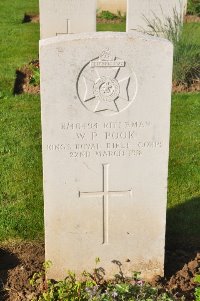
(107, 85)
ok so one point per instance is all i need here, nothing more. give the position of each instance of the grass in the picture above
(186, 69)
(112, 27)
(19, 42)
(187, 55)
(183, 216)
(185, 139)
(21, 200)
(193, 7)
(106, 15)
(21, 203)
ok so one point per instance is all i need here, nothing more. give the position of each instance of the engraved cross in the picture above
(105, 194)
(68, 28)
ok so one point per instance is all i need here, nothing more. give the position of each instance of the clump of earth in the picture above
(192, 87)
(31, 18)
(24, 81)
(18, 263)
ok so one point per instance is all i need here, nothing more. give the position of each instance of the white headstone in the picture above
(105, 123)
(141, 13)
(67, 16)
(185, 6)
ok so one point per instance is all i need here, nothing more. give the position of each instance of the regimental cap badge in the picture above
(107, 85)
(106, 55)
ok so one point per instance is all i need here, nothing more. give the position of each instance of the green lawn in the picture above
(192, 32)
(21, 201)
(183, 216)
(111, 27)
(18, 41)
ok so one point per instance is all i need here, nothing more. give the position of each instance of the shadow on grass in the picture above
(182, 234)
(27, 18)
(30, 18)
(19, 82)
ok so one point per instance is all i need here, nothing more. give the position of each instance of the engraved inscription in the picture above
(117, 139)
(107, 85)
(107, 64)
(105, 194)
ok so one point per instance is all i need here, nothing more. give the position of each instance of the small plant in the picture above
(107, 15)
(186, 62)
(186, 68)
(197, 290)
(35, 74)
(168, 27)
(193, 7)
(94, 287)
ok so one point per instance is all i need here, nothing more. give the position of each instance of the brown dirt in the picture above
(181, 267)
(191, 18)
(193, 87)
(31, 18)
(23, 77)
(106, 21)
(18, 263)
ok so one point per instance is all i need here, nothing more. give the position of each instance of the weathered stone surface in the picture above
(67, 16)
(138, 12)
(105, 123)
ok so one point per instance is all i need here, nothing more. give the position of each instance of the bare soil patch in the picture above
(23, 79)
(18, 263)
(181, 266)
(191, 19)
(107, 21)
(30, 18)
(192, 87)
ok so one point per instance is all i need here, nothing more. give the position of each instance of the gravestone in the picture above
(185, 3)
(140, 13)
(105, 123)
(66, 16)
